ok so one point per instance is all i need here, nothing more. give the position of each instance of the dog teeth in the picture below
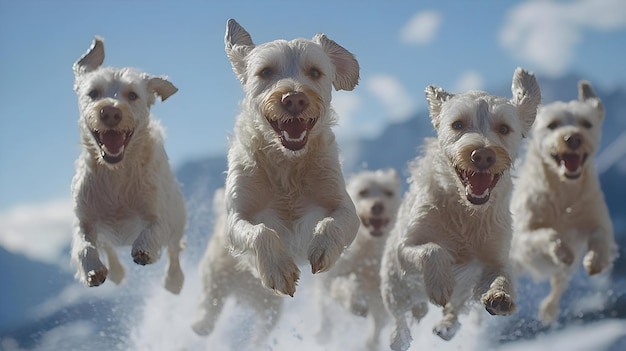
(290, 139)
(121, 151)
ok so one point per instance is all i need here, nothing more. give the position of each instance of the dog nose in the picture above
(483, 158)
(574, 140)
(294, 102)
(110, 116)
(377, 208)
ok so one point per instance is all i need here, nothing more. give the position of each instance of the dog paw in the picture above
(279, 273)
(498, 302)
(174, 282)
(594, 263)
(562, 254)
(359, 307)
(202, 328)
(322, 254)
(141, 257)
(96, 277)
(440, 292)
(446, 330)
(401, 339)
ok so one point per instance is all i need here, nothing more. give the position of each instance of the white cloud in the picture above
(40, 232)
(546, 33)
(470, 80)
(345, 105)
(398, 102)
(421, 28)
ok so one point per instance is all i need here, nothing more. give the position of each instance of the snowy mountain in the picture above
(45, 309)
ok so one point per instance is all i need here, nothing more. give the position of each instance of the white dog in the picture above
(354, 281)
(124, 191)
(285, 194)
(559, 212)
(453, 232)
(223, 277)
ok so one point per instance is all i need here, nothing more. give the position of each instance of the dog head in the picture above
(480, 134)
(288, 84)
(376, 196)
(114, 104)
(568, 133)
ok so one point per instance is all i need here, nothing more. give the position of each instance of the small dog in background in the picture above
(452, 237)
(354, 281)
(222, 277)
(559, 212)
(124, 191)
(285, 194)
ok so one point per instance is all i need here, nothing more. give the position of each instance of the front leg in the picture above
(147, 247)
(276, 268)
(496, 286)
(332, 235)
(89, 269)
(435, 264)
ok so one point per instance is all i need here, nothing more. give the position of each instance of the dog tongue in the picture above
(479, 182)
(113, 141)
(571, 162)
(294, 128)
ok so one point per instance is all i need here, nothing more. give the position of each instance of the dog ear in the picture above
(436, 96)
(346, 65)
(92, 59)
(586, 94)
(162, 87)
(526, 96)
(238, 44)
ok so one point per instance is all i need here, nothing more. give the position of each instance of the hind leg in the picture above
(116, 270)
(174, 276)
(209, 309)
(268, 310)
(549, 308)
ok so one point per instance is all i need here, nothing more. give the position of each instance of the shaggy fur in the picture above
(452, 237)
(354, 281)
(222, 278)
(124, 191)
(285, 194)
(559, 213)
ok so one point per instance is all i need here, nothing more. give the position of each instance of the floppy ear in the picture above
(586, 93)
(346, 65)
(436, 96)
(162, 87)
(238, 44)
(92, 59)
(526, 96)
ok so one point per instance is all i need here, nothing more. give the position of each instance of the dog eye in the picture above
(266, 72)
(585, 123)
(504, 129)
(93, 94)
(389, 193)
(553, 125)
(314, 73)
(132, 96)
(458, 125)
(364, 193)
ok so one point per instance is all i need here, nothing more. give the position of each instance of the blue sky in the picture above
(402, 46)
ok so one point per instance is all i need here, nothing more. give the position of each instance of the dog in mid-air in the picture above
(285, 194)
(222, 278)
(354, 281)
(560, 217)
(451, 241)
(124, 191)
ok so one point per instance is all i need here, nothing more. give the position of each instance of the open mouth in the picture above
(112, 144)
(375, 225)
(478, 185)
(293, 132)
(571, 165)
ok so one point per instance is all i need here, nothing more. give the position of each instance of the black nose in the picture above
(483, 158)
(294, 102)
(574, 141)
(110, 116)
(377, 208)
